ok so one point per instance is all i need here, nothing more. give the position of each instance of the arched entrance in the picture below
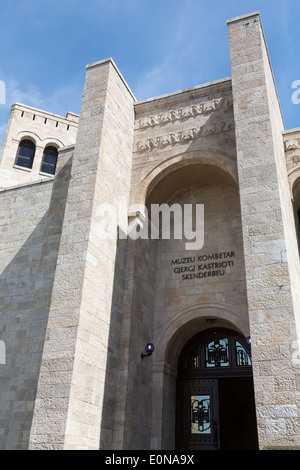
(215, 398)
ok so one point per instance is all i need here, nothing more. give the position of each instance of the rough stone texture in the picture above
(184, 304)
(189, 129)
(30, 236)
(80, 314)
(189, 126)
(270, 244)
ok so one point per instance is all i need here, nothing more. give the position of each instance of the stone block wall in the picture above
(79, 352)
(271, 255)
(187, 126)
(30, 226)
(184, 152)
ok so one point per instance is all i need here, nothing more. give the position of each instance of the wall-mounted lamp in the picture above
(149, 348)
(248, 340)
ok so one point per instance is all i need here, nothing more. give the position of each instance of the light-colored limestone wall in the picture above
(76, 368)
(193, 288)
(43, 129)
(30, 230)
(287, 209)
(133, 408)
(173, 133)
(219, 263)
(269, 237)
(193, 125)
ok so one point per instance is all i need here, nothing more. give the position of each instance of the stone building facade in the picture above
(88, 277)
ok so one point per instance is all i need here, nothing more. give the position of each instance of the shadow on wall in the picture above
(25, 288)
(128, 379)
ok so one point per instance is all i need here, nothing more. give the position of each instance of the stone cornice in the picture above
(177, 97)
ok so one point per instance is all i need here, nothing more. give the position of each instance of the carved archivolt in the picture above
(185, 135)
(186, 112)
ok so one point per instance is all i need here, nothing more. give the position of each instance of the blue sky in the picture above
(159, 46)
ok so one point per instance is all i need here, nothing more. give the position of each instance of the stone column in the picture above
(271, 254)
(69, 402)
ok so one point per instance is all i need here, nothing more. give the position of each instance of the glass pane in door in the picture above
(200, 414)
(242, 357)
(217, 353)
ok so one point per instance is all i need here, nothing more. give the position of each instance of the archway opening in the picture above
(215, 407)
(189, 278)
(173, 180)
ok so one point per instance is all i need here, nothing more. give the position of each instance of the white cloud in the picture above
(2, 133)
(153, 81)
(59, 101)
(186, 53)
(30, 95)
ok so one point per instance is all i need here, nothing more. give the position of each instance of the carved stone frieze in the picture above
(292, 144)
(186, 112)
(185, 135)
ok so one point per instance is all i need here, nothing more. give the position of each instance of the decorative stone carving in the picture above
(186, 112)
(185, 135)
(292, 144)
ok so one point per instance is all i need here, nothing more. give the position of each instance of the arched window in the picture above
(25, 153)
(49, 160)
(216, 350)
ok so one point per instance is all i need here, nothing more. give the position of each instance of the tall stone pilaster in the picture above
(271, 254)
(69, 402)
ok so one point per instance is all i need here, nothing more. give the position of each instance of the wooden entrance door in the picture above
(197, 422)
(215, 398)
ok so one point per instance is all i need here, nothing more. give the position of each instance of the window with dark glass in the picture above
(217, 350)
(25, 154)
(49, 160)
(242, 357)
(193, 359)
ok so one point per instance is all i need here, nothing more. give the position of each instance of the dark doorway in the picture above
(237, 414)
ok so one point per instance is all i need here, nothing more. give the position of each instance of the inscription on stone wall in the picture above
(203, 266)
